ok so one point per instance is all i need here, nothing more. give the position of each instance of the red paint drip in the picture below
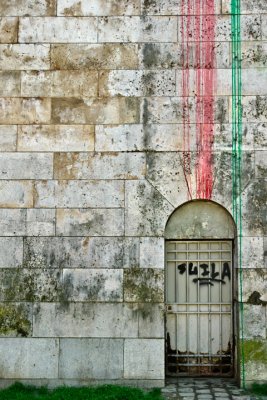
(198, 33)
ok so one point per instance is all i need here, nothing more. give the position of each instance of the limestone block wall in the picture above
(92, 166)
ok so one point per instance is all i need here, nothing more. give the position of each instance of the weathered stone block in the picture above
(251, 79)
(55, 137)
(116, 110)
(41, 356)
(26, 166)
(172, 7)
(254, 322)
(254, 284)
(137, 83)
(94, 222)
(171, 55)
(255, 359)
(254, 203)
(143, 285)
(13, 222)
(80, 84)
(222, 29)
(252, 250)
(30, 285)
(264, 26)
(99, 165)
(223, 136)
(24, 111)
(23, 222)
(8, 137)
(254, 54)
(151, 252)
(89, 285)
(108, 252)
(161, 7)
(254, 109)
(16, 194)
(11, 252)
(9, 29)
(79, 194)
(92, 285)
(114, 320)
(15, 319)
(137, 29)
(169, 110)
(222, 187)
(247, 7)
(91, 359)
(261, 164)
(57, 30)
(40, 222)
(81, 252)
(251, 27)
(222, 87)
(265, 254)
(28, 7)
(97, 8)
(158, 137)
(259, 135)
(174, 186)
(9, 83)
(24, 56)
(147, 210)
(94, 56)
(144, 359)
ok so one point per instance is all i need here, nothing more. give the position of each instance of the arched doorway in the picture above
(199, 239)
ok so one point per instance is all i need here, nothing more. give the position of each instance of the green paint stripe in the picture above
(237, 154)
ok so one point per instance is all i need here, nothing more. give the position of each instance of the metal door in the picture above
(199, 328)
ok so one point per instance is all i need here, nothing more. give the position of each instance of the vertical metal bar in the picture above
(187, 301)
(175, 295)
(220, 301)
(198, 319)
(209, 308)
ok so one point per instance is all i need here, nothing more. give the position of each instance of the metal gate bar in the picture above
(199, 299)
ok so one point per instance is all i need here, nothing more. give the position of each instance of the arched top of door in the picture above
(200, 219)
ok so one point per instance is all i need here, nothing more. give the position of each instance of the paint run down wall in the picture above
(114, 113)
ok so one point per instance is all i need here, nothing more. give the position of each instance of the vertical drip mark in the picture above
(198, 35)
(186, 22)
(237, 154)
(205, 78)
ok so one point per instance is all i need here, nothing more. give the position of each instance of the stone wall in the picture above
(91, 168)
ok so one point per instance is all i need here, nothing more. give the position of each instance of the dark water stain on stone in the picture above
(254, 299)
(151, 55)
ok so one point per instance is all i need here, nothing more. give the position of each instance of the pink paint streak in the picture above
(198, 33)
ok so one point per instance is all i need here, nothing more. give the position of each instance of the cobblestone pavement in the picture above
(205, 389)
